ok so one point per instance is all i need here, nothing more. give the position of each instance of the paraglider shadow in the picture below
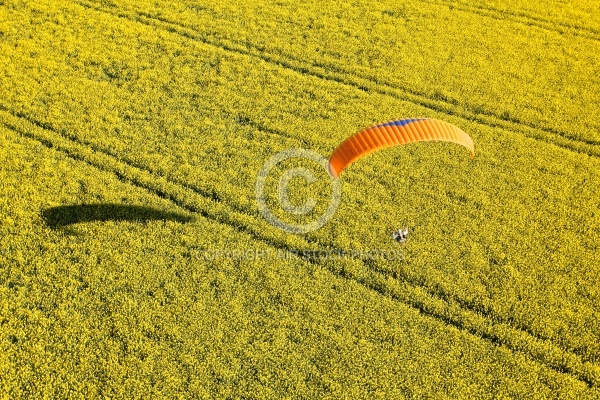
(62, 216)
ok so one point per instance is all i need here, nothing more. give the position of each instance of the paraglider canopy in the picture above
(394, 133)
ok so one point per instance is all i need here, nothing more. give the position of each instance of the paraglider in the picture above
(394, 133)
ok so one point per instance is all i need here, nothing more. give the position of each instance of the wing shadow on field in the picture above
(63, 216)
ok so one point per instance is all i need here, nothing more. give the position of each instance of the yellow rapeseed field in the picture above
(134, 259)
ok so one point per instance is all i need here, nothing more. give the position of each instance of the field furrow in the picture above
(449, 309)
(513, 15)
(522, 107)
(436, 101)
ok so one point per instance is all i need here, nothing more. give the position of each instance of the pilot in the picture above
(400, 235)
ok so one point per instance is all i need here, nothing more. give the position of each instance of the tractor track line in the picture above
(584, 371)
(216, 197)
(368, 84)
(522, 18)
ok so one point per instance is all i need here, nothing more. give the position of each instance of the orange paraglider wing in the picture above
(394, 133)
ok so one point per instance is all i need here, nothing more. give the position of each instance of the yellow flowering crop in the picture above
(147, 123)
